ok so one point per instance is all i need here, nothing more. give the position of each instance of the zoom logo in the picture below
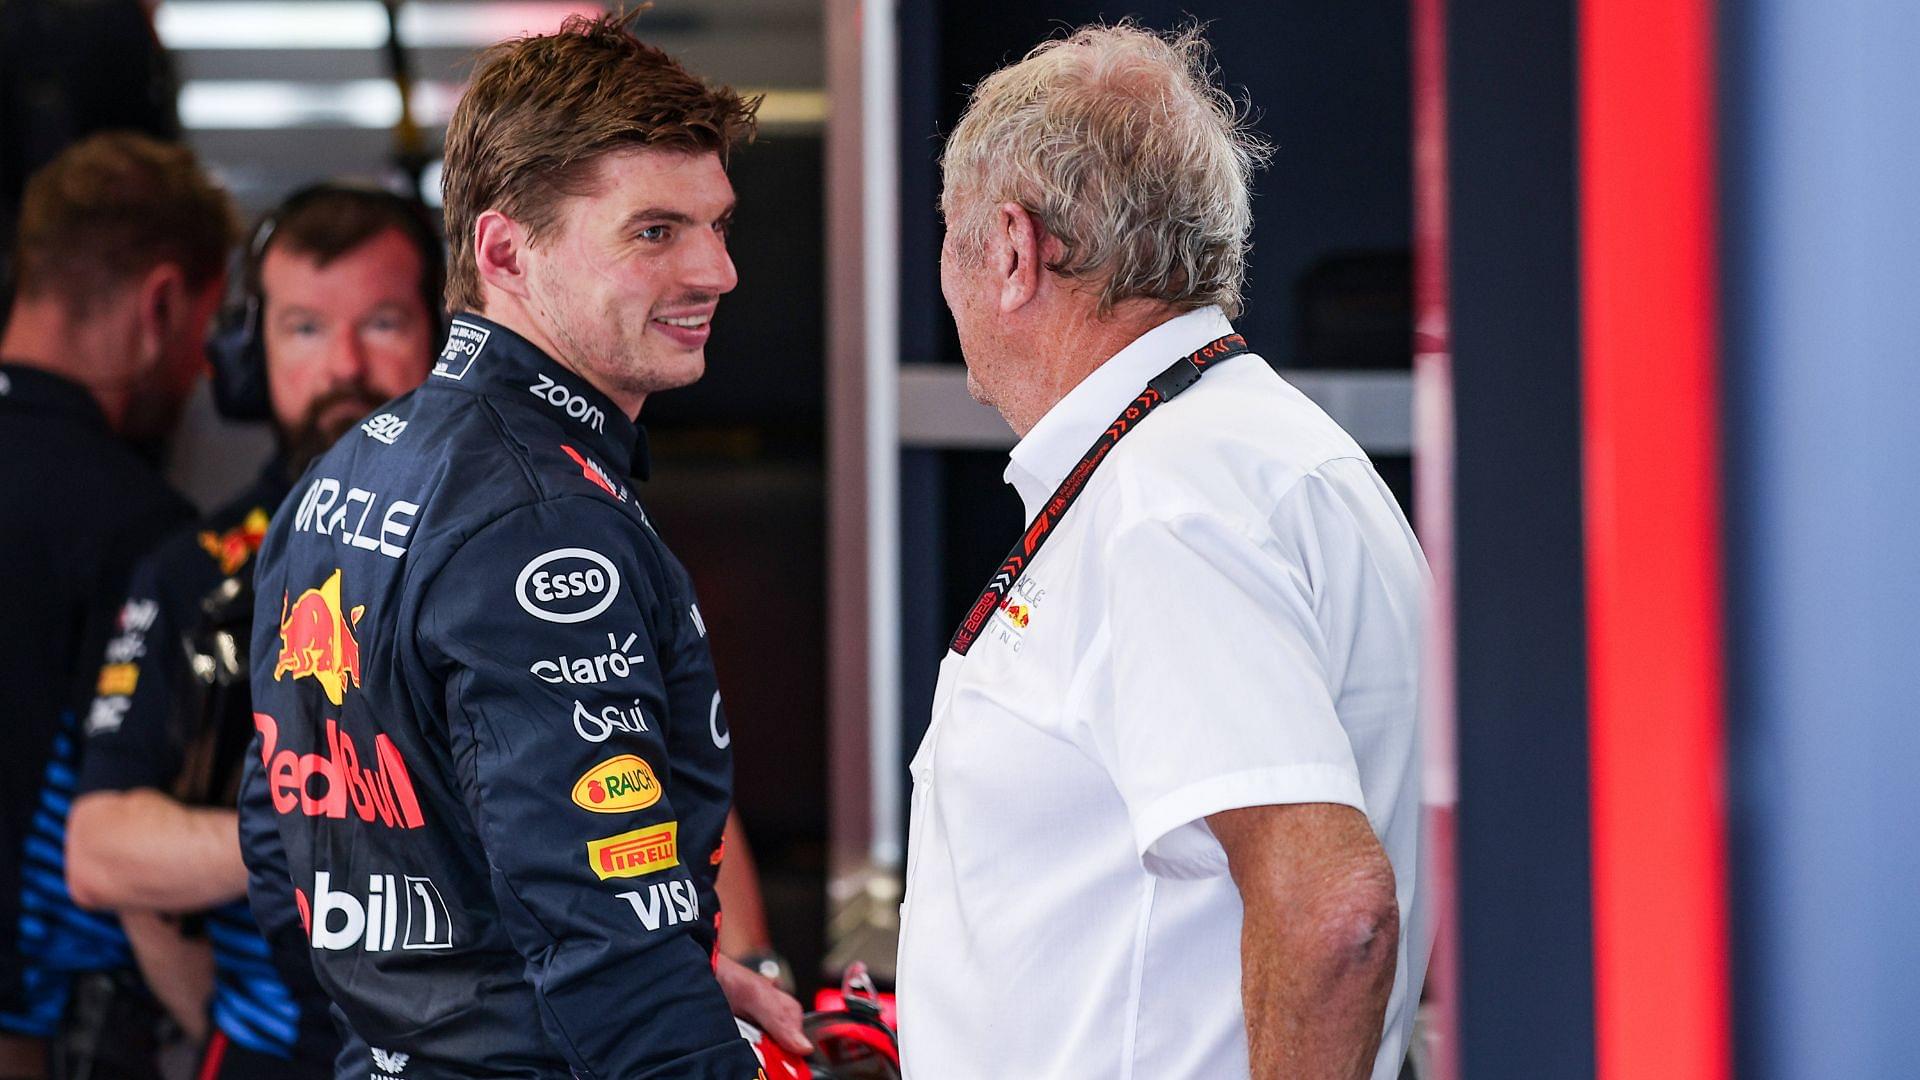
(568, 402)
(567, 585)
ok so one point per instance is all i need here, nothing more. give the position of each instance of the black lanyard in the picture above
(1165, 386)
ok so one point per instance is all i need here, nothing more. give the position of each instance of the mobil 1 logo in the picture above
(395, 911)
(567, 585)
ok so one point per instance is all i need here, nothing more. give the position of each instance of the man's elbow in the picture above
(92, 872)
(1361, 932)
(1351, 928)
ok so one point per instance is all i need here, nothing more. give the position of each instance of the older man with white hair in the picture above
(1166, 818)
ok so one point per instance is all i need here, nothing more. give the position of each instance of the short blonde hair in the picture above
(1118, 140)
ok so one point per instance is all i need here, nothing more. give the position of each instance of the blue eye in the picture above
(656, 232)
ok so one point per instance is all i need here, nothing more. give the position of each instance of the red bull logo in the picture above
(1017, 613)
(330, 783)
(317, 642)
(232, 549)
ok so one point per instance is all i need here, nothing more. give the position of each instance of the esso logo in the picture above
(568, 585)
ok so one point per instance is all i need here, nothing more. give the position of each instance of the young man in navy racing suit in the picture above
(342, 309)
(492, 767)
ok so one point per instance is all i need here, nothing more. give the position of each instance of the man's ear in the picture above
(162, 302)
(1017, 255)
(500, 250)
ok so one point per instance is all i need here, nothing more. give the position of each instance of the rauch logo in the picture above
(617, 785)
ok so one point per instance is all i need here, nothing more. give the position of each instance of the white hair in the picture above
(1118, 141)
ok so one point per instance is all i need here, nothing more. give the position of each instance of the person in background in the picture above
(1165, 820)
(120, 265)
(744, 935)
(467, 609)
(341, 311)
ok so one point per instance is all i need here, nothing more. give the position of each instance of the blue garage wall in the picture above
(1821, 111)
(1525, 891)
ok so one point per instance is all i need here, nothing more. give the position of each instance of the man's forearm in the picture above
(1319, 939)
(743, 926)
(178, 970)
(141, 850)
(1315, 991)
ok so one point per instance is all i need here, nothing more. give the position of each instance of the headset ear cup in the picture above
(237, 353)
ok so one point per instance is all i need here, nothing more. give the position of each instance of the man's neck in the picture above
(1069, 351)
(510, 312)
(41, 335)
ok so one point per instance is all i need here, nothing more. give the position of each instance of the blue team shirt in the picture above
(157, 723)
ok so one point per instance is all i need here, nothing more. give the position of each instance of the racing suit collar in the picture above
(42, 391)
(487, 358)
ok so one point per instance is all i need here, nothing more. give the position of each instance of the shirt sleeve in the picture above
(1220, 693)
(129, 728)
(544, 625)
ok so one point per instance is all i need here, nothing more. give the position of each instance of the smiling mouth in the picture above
(689, 322)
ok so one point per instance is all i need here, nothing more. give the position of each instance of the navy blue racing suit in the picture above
(492, 770)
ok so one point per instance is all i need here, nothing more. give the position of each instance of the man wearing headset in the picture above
(341, 313)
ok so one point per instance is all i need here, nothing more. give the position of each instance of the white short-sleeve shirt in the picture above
(1229, 616)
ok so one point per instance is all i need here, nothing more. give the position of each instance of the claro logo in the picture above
(617, 662)
(567, 585)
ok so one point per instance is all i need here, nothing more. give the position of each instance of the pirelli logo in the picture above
(632, 854)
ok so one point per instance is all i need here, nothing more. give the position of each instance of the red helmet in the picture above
(775, 1062)
(850, 1042)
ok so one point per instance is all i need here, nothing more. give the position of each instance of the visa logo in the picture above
(666, 903)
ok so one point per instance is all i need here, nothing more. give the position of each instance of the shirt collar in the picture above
(43, 391)
(486, 358)
(1054, 446)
